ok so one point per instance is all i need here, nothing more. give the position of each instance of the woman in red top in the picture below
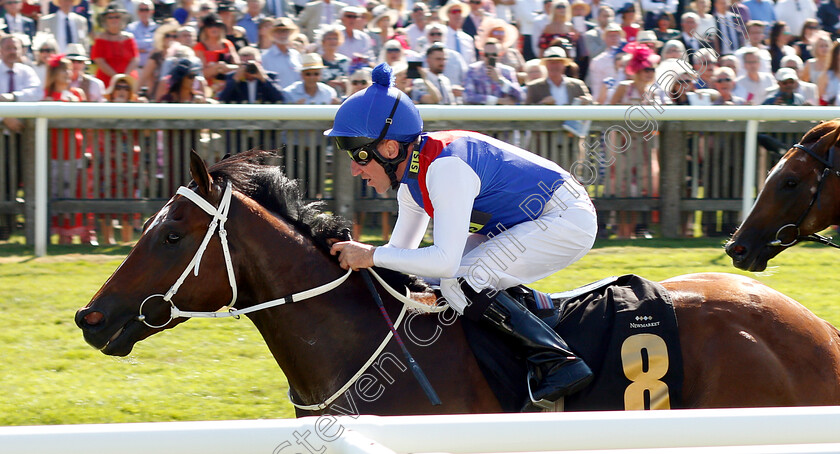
(214, 50)
(114, 51)
(70, 176)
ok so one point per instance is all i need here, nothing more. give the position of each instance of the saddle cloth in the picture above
(626, 331)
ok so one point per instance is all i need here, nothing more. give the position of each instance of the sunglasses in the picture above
(351, 16)
(113, 17)
(122, 87)
(46, 49)
(724, 80)
(311, 73)
(358, 82)
(454, 11)
(436, 34)
(143, 10)
(171, 35)
(787, 82)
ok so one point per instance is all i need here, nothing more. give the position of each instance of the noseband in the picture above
(828, 169)
(219, 218)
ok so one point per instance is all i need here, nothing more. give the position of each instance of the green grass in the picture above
(221, 369)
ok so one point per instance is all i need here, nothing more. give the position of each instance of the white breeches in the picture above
(529, 251)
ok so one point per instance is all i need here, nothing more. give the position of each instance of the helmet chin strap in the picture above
(390, 165)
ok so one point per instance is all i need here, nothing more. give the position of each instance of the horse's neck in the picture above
(321, 342)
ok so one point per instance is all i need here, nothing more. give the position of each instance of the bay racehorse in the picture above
(743, 344)
(801, 197)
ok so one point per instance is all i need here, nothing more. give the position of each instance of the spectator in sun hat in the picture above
(93, 88)
(143, 30)
(556, 88)
(786, 94)
(452, 14)
(808, 90)
(311, 90)
(229, 14)
(381, 27)
(357, 44)
(64, 20)
(282, 58)
(165, 36)
(507, 35)
(467, 179)
(181, 83)
(115, 50)
(318, 13)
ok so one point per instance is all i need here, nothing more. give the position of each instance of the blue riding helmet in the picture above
(372, 115)
(364, 113)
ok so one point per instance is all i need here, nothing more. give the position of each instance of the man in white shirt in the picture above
(310, 90)
(281, 58)
(17, 22)
(604, 65)
(456, 67)
(755, 36)
(525, 12)
(754, 84)
(594, 39)
(434, 87)
(93, 87)
(417, 29)
(143, 29)
(18, 82)
(357, 44)
(453, 15)
(67, 26)
(795, 12)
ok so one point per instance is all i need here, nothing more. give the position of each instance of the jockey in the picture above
(502, 217)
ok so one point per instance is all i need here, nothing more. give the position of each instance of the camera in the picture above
(251, 68)
(491, 62)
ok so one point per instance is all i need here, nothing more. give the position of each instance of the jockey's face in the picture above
(373, 172)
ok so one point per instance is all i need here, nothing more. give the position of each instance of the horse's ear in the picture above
(199, 173)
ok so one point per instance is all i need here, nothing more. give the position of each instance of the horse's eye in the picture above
(790, 183)
(172, 238)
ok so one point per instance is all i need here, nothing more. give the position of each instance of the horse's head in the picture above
(114, 321)
(800, 198)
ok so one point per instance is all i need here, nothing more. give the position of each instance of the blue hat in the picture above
(364, 113)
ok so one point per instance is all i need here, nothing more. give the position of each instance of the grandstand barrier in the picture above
(801, 429)
(695, 161)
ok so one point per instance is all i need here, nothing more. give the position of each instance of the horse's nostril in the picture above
(94, 318)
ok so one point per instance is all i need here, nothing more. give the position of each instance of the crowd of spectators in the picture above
(508, 52)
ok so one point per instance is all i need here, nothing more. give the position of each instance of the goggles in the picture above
(358, 148)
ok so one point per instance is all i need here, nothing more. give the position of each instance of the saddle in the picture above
(624, 328)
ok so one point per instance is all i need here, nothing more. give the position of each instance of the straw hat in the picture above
(381, 13)
(492, 23)
(284, 23)
(311, 61)
(648, 36)
(76, 52)
(113, 8)
(121, 78)
(168, 26)
(581, 4)
(75, 3)
(443, 13)
(555, 53)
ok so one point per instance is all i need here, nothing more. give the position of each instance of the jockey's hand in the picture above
(352, 254)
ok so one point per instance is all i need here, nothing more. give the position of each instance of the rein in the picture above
(828, 169)
(219, 218)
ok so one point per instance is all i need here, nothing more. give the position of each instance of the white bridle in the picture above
(219, 218)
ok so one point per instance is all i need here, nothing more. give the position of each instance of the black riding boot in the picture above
(553, 370)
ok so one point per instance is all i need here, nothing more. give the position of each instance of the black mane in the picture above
(251, 173)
